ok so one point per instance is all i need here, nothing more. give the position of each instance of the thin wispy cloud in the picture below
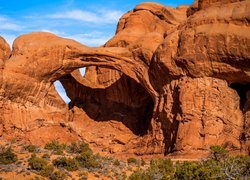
(8, 24)
(91, 39)
(2, 19)
(98, 17)
(56, 32)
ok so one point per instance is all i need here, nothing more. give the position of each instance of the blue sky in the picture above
(89, 22)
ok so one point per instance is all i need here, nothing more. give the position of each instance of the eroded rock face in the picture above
(171, 81)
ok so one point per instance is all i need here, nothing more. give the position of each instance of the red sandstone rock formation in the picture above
(171, 81)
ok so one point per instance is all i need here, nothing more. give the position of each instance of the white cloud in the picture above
(7, 24)
(3, 19)
(98, 17)
(90, 39)
(56, 32)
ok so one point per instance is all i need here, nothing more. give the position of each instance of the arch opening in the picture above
(82, 71)
(124, 100)
(61, 91)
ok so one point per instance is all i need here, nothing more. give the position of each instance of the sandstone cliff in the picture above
(171, 81)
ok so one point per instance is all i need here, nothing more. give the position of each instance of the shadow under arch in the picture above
(125, 101)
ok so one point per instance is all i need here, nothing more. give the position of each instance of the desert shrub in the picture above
(7, 156)
(159, 169)
(139, 174)
(56, 147)
(131, 161)
(31, 148)
(209, 169)
(47, 170)
(237, 167)
(67, 163)
(186, 170)
(117, 162)
(78, 148)
(143, 163)
(37, 163)
(218, 153)
(230, 168)
(40, 165)
(121, 176)
(46, 156)
(58, 175)
(88, 160)
(83, 175)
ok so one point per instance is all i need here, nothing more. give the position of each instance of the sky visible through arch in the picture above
(89, 22)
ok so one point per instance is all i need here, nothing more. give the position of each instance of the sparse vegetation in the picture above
(220, 166)
(56, 147)
(66, 163)
(37, 163)
(77, 148)
(131, 161)
(7, 156)
(40, 165)
(138, 175)
(58, 175)
(87, 160)
(197, 170)
(46, 156)
(117, 162)
(80, 158)
(159, 169)
(32, 148)
(218, 152)
(47, 171)
(143, 163)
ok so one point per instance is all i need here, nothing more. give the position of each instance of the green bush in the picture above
(56, 147)
(37, 163)
(117, 162)
(46, 156)
(88, 160)
(78, 148)
(131, 161)
(159, 169)
(67, 163)
(218, 153)
(47, 170)
(192, 170)
(143, 163)
(58, 175)
(32, 148)
(139, 175)
(40, 165)
(237, 167)
(7, 156)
